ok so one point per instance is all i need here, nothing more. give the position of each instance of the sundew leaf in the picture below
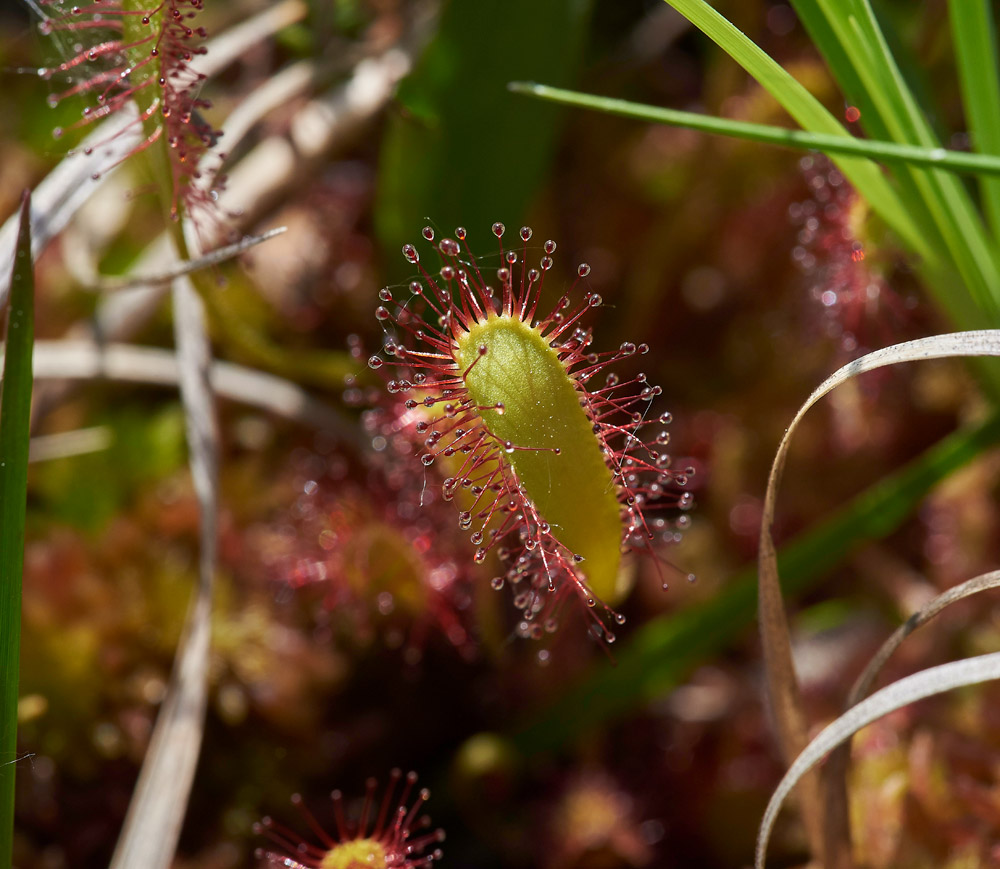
(462, 150)
(15, 418)
(783, 688)
(661, 653)
(926, 683)
(929, 210)
(64, 190)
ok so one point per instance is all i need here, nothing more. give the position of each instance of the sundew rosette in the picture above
(390, 834)
(547, 462)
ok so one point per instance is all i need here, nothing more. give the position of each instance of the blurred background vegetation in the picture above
(351, 634)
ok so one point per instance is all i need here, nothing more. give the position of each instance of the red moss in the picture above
(372, 539)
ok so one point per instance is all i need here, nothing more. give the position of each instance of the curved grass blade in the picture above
(837, 813)
(926, 683)
(15, 416)
(783, 686)
(846, 145)
(921, 617)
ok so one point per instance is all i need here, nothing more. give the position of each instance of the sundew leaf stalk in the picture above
(140, 51)
(548, 470)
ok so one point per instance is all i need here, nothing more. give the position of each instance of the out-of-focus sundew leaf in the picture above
(461, 150)
(662, 652)
(15, 419)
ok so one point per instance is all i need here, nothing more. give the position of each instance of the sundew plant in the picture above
(379, 375)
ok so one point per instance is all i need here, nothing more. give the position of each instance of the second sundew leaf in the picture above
(140, 23)
(159, 42)
(139, 54)
(529, 402)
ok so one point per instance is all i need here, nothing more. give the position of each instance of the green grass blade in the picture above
(810, 114)
(935, 218)
(856, 29)
(974, 35)
(660, 654)
(15, 413)
(881, 151)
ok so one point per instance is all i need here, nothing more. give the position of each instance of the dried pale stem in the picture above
(88, 360)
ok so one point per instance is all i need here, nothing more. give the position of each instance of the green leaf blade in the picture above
(974, 36)
(856, 48)
(462, 151)
(15, 416)
(887, 152)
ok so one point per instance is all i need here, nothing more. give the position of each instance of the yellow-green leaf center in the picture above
(355, 854)
(572, 489)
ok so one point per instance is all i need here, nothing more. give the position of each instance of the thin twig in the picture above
(212, 258)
